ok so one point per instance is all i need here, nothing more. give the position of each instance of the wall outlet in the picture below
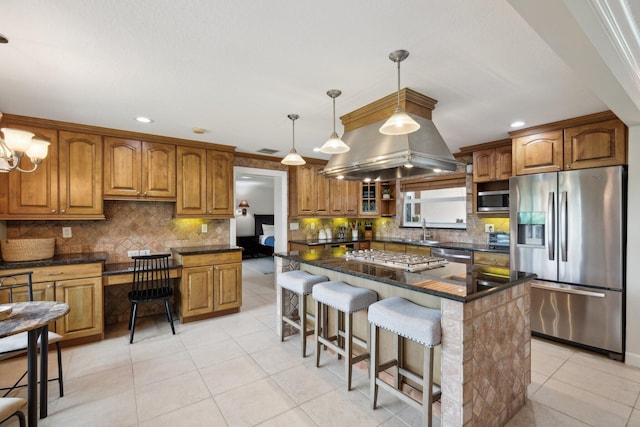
(313, 225)
(66, 232)
(204, 228)
(294, 226)
(488, 228)
(145, 252)
(133, 253)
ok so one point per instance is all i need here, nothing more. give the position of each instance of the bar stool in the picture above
(414, 322)
(346, 300)
(299, 282)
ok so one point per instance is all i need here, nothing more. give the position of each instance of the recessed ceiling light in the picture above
(198, 131)
(316, 149)
(3, 39)
(143, 119)
(517, 124)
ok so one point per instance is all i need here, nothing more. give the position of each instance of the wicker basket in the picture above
(27, 249)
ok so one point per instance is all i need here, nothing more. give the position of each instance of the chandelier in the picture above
(14, 144)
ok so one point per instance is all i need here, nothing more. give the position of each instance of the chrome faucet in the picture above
(425, 234)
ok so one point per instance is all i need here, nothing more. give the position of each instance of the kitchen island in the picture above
(484, 363)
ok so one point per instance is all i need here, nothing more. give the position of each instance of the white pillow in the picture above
(267, 229)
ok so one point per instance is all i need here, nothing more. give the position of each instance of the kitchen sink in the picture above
(422, 242)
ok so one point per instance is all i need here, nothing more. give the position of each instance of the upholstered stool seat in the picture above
(301, 283)
(414, 322)
(346, 300)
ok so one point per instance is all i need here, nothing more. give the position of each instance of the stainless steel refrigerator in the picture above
(570, 229)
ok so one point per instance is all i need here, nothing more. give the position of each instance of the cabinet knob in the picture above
(138, 194)
(53, 211)
(62, 211)
(145, 194)
(59, 285)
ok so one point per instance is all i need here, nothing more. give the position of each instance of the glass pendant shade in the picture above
(334, 144)
(16, 139)
(293, 158)
(38, 150)
(400, 123)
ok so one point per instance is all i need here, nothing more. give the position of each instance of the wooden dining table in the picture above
(34, 318)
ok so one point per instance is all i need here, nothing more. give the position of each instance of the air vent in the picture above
(267, 151)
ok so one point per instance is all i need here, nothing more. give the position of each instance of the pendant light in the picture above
(400, 123)
(334, 144)
(293, 158)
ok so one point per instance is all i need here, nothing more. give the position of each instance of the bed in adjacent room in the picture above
(264, 233)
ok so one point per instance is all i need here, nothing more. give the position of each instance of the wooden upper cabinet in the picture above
(311, 191)
(343, 197)
(80, 174)
(583, 142)
(66, 185)
(139, 170)
(35, 193)
(220, 200)
(205, 183)
(596, 144)
(484, 165)
(192, 181)
(504, 162)
(538, 153)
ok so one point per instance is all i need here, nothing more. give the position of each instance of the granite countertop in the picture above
(80, 258)
(208, 249)
(455, 281)
(416, 242)
(319, 242)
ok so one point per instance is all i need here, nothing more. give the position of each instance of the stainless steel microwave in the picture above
(493, 201)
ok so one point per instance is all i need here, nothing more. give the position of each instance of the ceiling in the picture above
(237, 68)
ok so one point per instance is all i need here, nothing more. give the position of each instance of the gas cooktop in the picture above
(408, 262)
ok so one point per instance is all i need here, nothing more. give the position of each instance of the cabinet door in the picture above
(369, 199)
(419, 250)
(503, 162)
(122, 161)
(220, 200)
(84, 297)
(196, 290)
(351, 198)
(80, 174)
(491, 259)
(192, 178)
(538, 153)
(158, 170)
(34, 193)
(322, 193)
(343, 197)
(484, 165)
(307, 190)
(227, 286)
(594, 145)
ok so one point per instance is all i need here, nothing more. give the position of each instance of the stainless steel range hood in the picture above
(373, 155)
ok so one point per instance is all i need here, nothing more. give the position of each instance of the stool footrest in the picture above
(435, 392)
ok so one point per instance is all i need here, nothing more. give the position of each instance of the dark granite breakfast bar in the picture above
(484, 362)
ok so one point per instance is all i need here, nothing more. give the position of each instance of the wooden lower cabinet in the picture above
(210, 286)
(227, 286)
(491, 259)
(79, 286)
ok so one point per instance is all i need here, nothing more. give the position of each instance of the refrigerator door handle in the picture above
(563, 226)
(551, 229)
(568, 290)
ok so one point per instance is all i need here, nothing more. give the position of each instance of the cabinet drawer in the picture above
(491, 259)
(395, 247)
(60, 272)
(419, 250)
(211, 259)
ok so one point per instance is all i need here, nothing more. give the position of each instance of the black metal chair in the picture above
(18, 288)
(11, 407)
(151, 282)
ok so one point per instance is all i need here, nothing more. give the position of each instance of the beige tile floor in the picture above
(233, 371)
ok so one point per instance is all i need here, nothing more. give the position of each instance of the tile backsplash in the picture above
(129, 226)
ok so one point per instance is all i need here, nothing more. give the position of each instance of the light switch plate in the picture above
(294, 226)
(66, 232)
(133, 253)
(204, 228)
